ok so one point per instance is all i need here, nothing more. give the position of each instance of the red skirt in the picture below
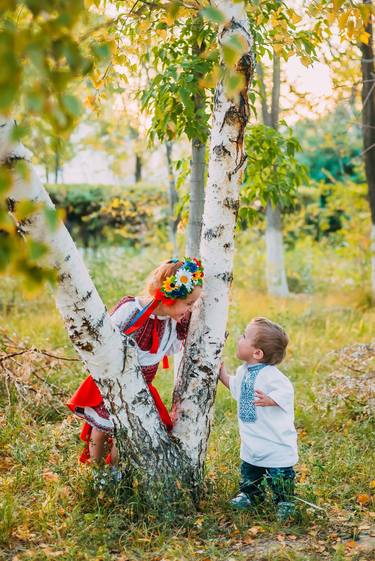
(88, 395)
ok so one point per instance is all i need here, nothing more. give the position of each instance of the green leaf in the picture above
(213, 14)
(72, 105)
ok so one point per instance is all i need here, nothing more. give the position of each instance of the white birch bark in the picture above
(194, 229)
(140, 433)
(275, 269)
(196, 384)
(173, 200)
(276, 279)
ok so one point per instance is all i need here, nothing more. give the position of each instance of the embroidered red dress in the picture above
(156, 338)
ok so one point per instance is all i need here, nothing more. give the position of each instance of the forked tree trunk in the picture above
(159, 458)
(197, 380)
(368, 122)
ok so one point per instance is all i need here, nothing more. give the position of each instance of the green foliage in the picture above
(332, 145)
(128, 216)
(45, 49)
(19, 256)
(175, 96)
(273, 172)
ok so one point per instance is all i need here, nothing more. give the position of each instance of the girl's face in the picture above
(181, 307)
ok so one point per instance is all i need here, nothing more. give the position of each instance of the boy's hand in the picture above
(262, 399)
(223, 376)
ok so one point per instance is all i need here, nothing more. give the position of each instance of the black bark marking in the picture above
(10, 161)
(63, 277)
(77, 309)
(221, 151)
(92, 329)
(232, 204)
(213, 233)
(87, 347)
(227, 277)
(87, 296)
(227, 245)
(11, 204)
(67, 257)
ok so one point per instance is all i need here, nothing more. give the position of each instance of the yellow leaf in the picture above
(364, 37)
(295, 17)
(372, 484)
(343, 19)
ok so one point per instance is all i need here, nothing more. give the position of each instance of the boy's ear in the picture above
(258, 354)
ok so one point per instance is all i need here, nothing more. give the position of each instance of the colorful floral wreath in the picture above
(182, 283)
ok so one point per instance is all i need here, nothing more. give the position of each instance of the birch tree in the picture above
(277, 283)
(159, 458)
(196, 382)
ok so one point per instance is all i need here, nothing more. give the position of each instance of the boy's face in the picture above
(246, 349)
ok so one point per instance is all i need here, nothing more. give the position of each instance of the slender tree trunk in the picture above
(198, 151)
(275, 269)
(138, 168)
(277, 284)
(47, 174)
(196, 384)
(173, 200)
(57, 163)
(197, 170)
(368, 122)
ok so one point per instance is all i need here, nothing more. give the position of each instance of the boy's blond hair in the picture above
(271, 338)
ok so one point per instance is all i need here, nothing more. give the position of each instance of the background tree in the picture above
(368, 124)
(277, 283)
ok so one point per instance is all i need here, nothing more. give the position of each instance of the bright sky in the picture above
(314, 82)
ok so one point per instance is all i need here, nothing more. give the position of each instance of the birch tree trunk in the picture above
(197, 169)
(197, 380)
(141, 436)
(275, 269)
(173, 200)
(368, 128)
(277, 284)
(194, 230)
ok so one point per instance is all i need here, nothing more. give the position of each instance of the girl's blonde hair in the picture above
(157, 276)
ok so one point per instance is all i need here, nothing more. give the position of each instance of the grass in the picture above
(49, 509)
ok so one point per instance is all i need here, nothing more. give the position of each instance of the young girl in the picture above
(158, 323)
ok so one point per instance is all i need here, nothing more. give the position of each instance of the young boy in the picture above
(265, 416)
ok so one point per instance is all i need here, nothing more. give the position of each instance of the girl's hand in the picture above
(262, 399)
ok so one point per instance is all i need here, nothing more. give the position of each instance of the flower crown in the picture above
(182, 283)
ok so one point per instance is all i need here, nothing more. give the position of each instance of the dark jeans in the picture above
(254, 480)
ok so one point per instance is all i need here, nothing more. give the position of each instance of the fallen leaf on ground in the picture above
(363, 499)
